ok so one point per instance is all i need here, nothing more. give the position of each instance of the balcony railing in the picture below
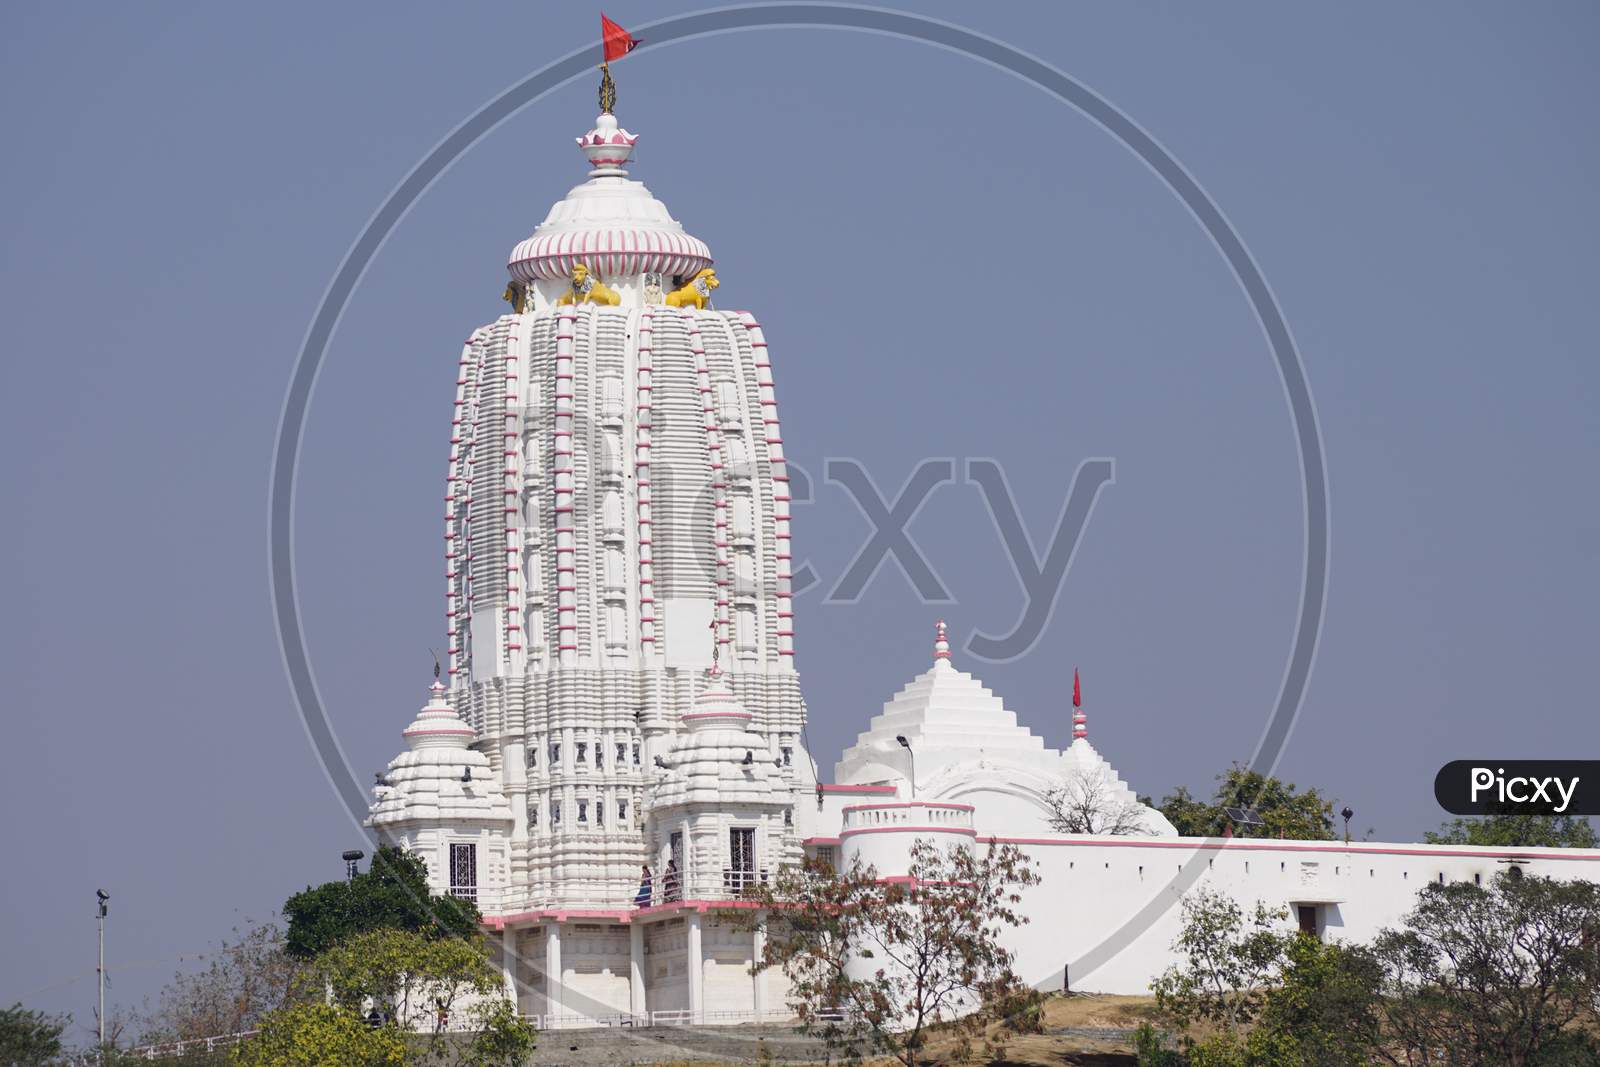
(917, 813)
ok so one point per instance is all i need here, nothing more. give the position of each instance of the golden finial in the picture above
(608, 90)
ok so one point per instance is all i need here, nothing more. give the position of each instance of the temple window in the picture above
(464, 871)
(622, 753)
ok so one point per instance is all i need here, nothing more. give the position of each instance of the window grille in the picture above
(464, 871)
(788, 756)
(583, 811)
(636, 753)
(583, 752)
(741, 858)
(555, 813)
(622, 810)
(533, 756)
(555, 754)
(622, 753)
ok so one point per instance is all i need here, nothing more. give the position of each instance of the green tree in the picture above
(1285, 811)
(317, 1035)
(29, 1037)
(392, 894)
(874, 965)
(1518, 831)
(434, 986)
(1277, 998)
(1228, 959)
(1500, 974)
(1324, 1009)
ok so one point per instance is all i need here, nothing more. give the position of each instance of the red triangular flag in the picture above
(1077, 692)
(616, 41)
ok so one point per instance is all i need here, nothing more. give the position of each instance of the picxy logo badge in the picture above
(1519, 787)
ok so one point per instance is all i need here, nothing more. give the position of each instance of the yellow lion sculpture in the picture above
(516, 295)
(588, 289)
(697, 293)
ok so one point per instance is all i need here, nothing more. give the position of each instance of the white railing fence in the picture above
(665, 1017)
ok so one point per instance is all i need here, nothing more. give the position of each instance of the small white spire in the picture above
(1080, 721)
(941, 642)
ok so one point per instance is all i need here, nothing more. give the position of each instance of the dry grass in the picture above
(1069, 1037)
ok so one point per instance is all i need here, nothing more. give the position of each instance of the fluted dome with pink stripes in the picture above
(610, 223)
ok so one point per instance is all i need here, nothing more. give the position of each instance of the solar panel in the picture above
(1244, 816)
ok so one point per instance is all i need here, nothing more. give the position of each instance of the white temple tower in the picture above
(616, 530)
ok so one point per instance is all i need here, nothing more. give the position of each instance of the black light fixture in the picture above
(661, 763)
(350, 857)
(749, 758)
(466, 774)
(912, 756)
(1347, 814)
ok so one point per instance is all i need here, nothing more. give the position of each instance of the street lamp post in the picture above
(100, 972)
(1347, 813)
(912, 756)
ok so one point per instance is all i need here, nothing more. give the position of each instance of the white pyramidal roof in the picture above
(940, 710)
(610, 223)
(958, 729)
(440, 778)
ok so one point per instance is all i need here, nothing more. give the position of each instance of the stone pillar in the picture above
(695, 964)
(508, 966)
(636, 997)
(758, 945)
(552, 969)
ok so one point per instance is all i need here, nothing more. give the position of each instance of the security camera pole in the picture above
(100, 971)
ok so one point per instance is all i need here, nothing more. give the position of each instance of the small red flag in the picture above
(616, 41)
(1077, 692)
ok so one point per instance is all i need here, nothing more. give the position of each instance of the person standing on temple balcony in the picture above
(669, 881)
(641, 899)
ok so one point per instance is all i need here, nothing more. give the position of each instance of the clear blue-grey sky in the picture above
(1416, 182)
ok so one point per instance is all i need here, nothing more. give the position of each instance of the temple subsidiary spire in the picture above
(1080, 721)
(941, 642)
